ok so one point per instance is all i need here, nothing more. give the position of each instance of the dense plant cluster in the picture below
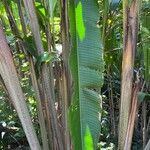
(69, 61)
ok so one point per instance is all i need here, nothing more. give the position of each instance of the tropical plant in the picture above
(73, 73)
(87, 74)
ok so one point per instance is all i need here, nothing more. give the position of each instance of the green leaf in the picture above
(80, 23)
(142, 96)
(40, 8)
(52, 5)
(88, 140)
(86, 62)
(42, 15)
(46, 57)
(30, 46)
(114, 4)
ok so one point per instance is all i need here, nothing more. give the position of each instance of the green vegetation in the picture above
(74, 75)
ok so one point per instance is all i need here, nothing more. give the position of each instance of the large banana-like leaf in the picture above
(86, 63)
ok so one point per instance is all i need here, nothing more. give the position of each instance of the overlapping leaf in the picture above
(87, 65)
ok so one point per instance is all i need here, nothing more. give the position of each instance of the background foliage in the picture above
(109, 25)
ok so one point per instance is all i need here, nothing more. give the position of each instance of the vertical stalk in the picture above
(132, 117)
(50, 68)
(19, 4)
(65, 70)
(33, 21)
(39, 104)
(125, 18)
(130, 27)
(144, 109)
(111, 103)
(105, 17)
(11, 18)
(9, 75)
(21, 46)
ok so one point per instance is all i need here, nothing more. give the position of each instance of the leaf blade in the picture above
(86, 61)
